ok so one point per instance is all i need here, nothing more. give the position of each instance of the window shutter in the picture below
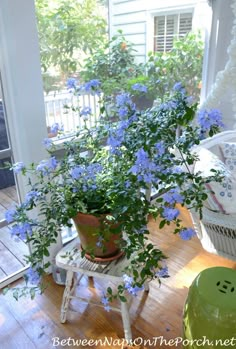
(170, 32)
(168, 27)
(159, 32)
(185, 23)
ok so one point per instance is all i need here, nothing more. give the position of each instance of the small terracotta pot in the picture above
(88, 227)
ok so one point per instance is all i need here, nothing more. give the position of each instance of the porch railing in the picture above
(56, 112)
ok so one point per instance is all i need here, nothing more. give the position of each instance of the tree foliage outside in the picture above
(182, 64)
(112, 64)
(67, 31)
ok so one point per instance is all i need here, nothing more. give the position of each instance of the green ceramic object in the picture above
(210, 310)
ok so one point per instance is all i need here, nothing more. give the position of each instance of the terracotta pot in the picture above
(88, 227)
(142, 102)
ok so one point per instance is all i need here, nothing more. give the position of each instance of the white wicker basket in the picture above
(217, 231)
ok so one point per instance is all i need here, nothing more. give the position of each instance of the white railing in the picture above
(55, 103)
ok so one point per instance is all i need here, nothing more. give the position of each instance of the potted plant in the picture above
(112, 64)
(143, 90)
(105, 171)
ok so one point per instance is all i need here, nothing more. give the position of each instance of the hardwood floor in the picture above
(33, 324)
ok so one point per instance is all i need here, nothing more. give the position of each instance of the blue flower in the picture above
(32, 195)
(173, 196)
(47, 142)
(76, 172)
(32, 276)
(100, 241)
(123, 99)
(163, 272)
(56, 127)
(9, 215)
(178, 87)
(209, 118)
(92, 86)
(71, 84)
(45, 166)
(52, 163)
(170, 213)
(160, 147)
(143, 167)
(123, 111)
(187, 233)
(86, 111)
(105, 302)
(113, 142)
(139, 87)
(21, 230)
(18, 167)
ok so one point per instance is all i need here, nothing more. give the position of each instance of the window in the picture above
(168, 27)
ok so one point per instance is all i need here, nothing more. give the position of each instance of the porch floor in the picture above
(11, 252)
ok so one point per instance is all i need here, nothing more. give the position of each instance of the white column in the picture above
(22, 81)
(22, 85)
(222, 23)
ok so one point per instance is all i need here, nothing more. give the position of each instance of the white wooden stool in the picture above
(70, 259)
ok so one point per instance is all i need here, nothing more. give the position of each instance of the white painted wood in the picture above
(22, 85)
(126, 321)
(219, 41)
(136, 28)
(70, 259)
(134, 17)
(22, 81)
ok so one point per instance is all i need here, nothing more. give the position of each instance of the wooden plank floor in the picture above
(35, 323)
(11, 251)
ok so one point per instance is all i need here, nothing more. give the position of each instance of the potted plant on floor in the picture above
(105, 171)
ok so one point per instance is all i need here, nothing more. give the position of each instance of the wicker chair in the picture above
(217, 231)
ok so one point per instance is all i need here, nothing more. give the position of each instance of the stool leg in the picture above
(146, 286)
(126, 321)
(66, 296)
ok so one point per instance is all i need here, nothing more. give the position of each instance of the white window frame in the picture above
(162, 12)
(176, 34)
(23, 90)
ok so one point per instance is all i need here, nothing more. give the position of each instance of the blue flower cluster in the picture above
(45, 167)
(10, 215)
(187, 233)
(209, 118)
(21, 230)
(106, 302)
(128, 283)
(163, 272)
(18, 167)
(170, 213)
(47, 143)
(85, 176)
(139, 87)
(57, 128)
(173, 196)
(32, 276)
(143, 168)
(32, 196)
